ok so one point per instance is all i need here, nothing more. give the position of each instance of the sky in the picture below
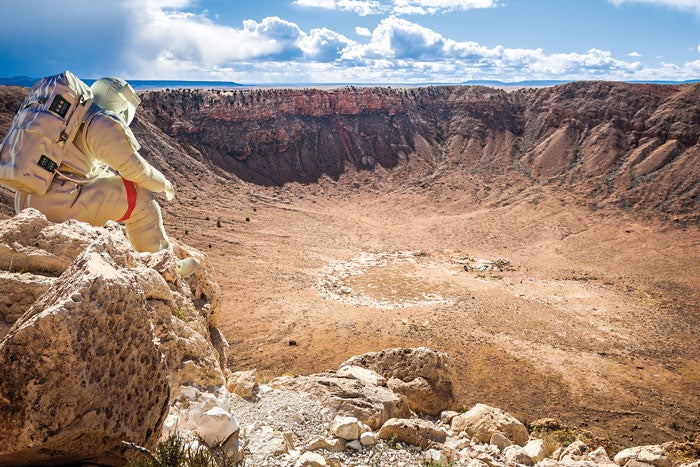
(352, 41)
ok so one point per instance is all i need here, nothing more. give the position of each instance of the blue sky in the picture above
(353, 41)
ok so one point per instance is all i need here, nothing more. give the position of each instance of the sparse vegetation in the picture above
(176, 452)
(553, 434)
(180, 313)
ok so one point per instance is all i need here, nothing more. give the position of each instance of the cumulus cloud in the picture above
(360, 7)
(634, 54)
(683, 5)
(398, 7)
(324, 45)
(361, 31)
(432, 7)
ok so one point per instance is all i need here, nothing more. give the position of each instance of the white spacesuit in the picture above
(79, 191)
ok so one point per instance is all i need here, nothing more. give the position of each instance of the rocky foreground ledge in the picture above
(104, 349)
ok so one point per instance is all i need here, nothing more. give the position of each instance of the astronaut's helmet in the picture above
(116, 95)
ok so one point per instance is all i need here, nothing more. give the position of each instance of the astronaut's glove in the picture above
(169, 191)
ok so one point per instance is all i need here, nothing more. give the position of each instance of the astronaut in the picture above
(82, 188)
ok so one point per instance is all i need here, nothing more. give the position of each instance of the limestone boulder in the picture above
(81, 369)
(413, 431)
(111, 342)
(33, 252)
(482, 421)
(649, 455)
(421, 375)
(370, 404)
(30, 243)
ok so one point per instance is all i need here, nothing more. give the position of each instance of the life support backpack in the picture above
(42, 131)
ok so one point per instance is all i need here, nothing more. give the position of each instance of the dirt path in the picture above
(547, 309)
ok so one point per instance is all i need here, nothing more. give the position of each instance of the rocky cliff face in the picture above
(634, 146)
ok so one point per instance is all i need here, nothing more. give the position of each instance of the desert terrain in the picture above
(553, 297)
(593, 321)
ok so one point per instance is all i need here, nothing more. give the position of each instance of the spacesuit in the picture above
(84, 191)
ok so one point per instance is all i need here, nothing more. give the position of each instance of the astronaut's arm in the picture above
(136, 169)
(114, 144)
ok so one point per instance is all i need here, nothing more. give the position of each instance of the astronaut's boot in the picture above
(186, 267)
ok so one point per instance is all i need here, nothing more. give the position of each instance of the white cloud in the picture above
(360, 7)
(324, 45)
(432, 7)
(634, 54)
(398, 7)
(698, 47)
(683, 5)
(163, 39)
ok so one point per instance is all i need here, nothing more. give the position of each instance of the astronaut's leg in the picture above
(144, 226)
(106, 199)
(95, 202)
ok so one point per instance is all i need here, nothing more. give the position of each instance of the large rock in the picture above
(413, 431)
(30, 243)
(482, 421)
(33, 252)
(97, 358)
(420, 374)
(372, 405)
(646, 455)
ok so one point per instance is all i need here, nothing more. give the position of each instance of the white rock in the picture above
(651, 454)
(477, 463)
(574, 451)
(361, 374)
(482, 421)
(536, 449)
(333, 445)
(347, 428)
(354, 445)
(515, 455)
(311, 459)
(599, 456)
(433, 455)
(215, 426)
(368, 439)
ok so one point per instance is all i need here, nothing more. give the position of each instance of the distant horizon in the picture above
(146, 84)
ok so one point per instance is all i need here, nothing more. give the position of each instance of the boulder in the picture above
(500, 440)
(368, 439)
(215, 426)
(419, 374)
(516, 455)
(482, 421)
(332, 445)
(111, 338)
(365, 375)
(243, 383)
(413, 431)
(651, 455)
(536, 449)
(33, 252)
(311, 459)
(81, 369)
(372, 405)
(30, 243)
(347, 428)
